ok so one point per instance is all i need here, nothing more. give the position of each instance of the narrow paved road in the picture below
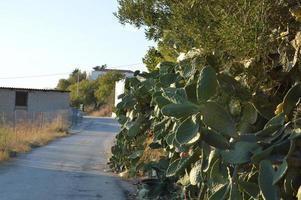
(71, 168)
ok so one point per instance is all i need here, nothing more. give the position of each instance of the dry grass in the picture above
(151, 154)
(104, 111)
(4, 155)
(24, 136)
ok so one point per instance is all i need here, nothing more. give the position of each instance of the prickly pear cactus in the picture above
(218, 144)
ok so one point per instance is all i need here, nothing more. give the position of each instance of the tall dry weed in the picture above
(22, 136)
(104, 111)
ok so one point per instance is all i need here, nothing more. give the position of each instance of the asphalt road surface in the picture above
(71, 168)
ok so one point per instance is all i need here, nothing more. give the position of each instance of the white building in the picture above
(27, 102)
(97, 73)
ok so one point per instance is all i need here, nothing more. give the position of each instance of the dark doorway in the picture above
(21, 98)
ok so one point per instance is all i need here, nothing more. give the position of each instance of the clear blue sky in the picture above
(40, 37)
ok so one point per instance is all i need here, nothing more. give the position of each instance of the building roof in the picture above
(33, 89)
(114, 70)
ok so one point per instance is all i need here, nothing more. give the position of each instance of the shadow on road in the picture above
(71, 168)
(61, 184)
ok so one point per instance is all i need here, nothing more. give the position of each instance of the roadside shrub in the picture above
(227, 113)
(218, 139)
(25, 135)
(104, 111)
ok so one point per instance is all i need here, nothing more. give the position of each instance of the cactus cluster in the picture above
(217, 143)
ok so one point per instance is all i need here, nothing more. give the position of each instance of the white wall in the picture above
(119, 89)
(47, 101)
(95, 74)
(38, 101)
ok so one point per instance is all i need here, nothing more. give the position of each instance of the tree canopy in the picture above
(76, 76)
(255, 41)
(98, 68)
(232, 30)
(233, 70)
(90, 92)
(106, 84)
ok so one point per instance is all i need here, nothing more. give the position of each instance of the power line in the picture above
(58, 74)
(129, 65)
(34, 76)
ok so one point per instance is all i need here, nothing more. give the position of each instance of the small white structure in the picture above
(119, 85)
(98, 73)
(29, 101)
(119, 89)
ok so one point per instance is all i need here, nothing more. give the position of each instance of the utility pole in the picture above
(77, 87)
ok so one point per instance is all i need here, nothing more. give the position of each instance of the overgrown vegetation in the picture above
(224, 116)
(103, 111)
(216, 143)
(24, 135)
(92, 94)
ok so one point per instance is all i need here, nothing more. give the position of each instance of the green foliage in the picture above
(207, 83)
(74, 77)
(215, 139)
(217, 118)
(238, 84)
(99, 68)
(90, 92)
(106, 84)
(180, 110)
(77, 76)
(152, 58)
(292, 97)
(188, 131)
(255, 42)
(82, 93)
(234, 30)
(207, 153)
(265, 180)
(63, 84)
